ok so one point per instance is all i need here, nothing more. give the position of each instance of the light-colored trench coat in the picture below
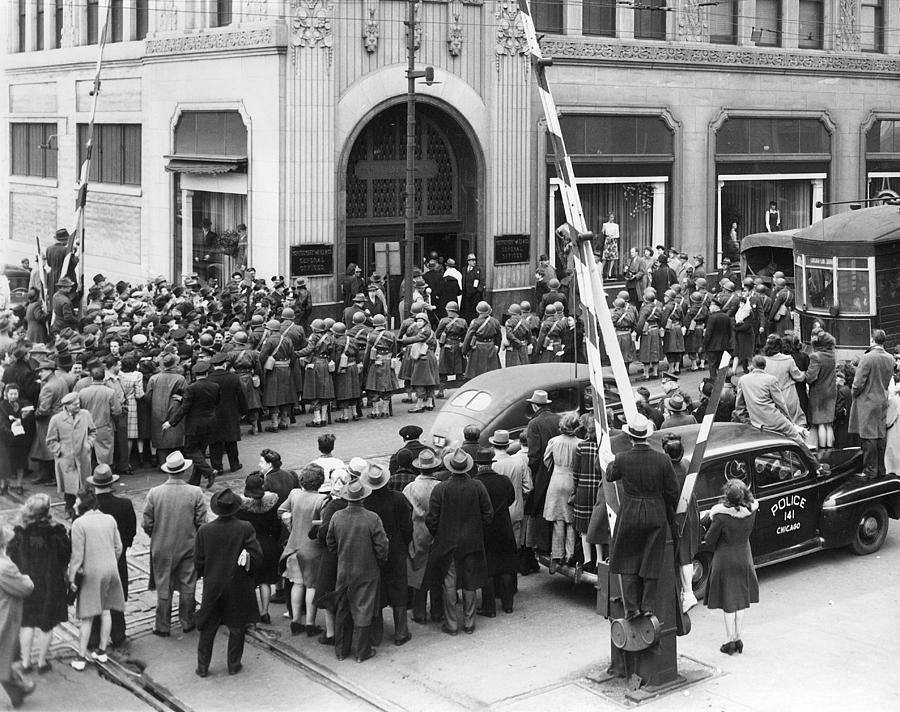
(70, 439)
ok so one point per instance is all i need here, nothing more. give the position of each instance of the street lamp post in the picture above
(411, 75)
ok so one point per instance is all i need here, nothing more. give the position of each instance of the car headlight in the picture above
(439, 440)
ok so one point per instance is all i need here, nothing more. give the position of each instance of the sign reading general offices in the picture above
(511, 249)
(312, 260)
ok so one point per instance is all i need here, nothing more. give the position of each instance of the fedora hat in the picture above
(175, 462)
(64, 282)
(484, 456)
(102, 477)
(376, 477)
(539, 397)
(225, 503)
(44, 363)
(639, 428)
(62, 234)
(355, 490)
(675, 404)
(359, 297)
(499, 438)
(356, 467)
(458, 461)
(426, 460)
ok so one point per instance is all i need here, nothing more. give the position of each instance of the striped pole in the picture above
(76, 238)
(597, 317)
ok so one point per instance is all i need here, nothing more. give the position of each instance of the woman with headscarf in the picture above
(14, 587)
(822, 390)
(733, 585)
(260, 508)
(302, 555)
(560, 459)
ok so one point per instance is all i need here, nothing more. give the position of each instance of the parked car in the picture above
(18, 283)
(498, 400)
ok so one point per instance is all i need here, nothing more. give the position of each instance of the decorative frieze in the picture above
(311, 26)
(370, 31)
(510, 32)
(719, 57)
(847, 34)
(209, 42)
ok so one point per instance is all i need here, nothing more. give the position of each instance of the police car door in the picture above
(785, 488)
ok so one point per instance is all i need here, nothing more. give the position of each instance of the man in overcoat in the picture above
(472, 287)
(358, 538)
(226, 552)
(544, 424)
(868, 413)
(759, 400)
(198, 410)
(49, 402)
(499, 540)
(457, 514)
(70, 437)
(173, 512)
(122, 510)
(718, 337)
(649, 496)
(231, 406)
(101, 402)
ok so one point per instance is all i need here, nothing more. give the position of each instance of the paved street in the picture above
(815, 639)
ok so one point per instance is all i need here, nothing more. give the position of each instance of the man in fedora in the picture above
(646, 514)
(499, 540)
(49, 402)
(122, 510)
(676, 412)
(56, 257)
(544, 424)
(226, 552)
(61, 310)
(358, 538)
(395, 513)
(231, 406)
(472, 287)
(198, 410)
(303, 304)
(358, 305)
(519, 474)
(173, 512)
(457, 514)
(70, 437)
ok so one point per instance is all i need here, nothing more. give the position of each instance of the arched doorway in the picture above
(447, 199)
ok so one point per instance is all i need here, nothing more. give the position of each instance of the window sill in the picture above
(115, 189)
(34, 180)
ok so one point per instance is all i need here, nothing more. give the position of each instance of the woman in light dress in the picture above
(560, 458)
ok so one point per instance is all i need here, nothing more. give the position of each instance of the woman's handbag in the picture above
(74, 588)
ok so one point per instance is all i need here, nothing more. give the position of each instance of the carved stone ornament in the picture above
(311, 26)
(167, 19)
(370, 32)
(510, 33)
(417, 28)
(728, 58)
(455, 36)
(847, 34)
(691, 25)
(191, 44)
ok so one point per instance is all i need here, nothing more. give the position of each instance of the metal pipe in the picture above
(409, 233)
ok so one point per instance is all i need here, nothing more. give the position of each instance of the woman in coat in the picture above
(395, 513)
(588, 479)
(325, 582)
(420, 569)
(96, 546)
(822, 389)
(560, 458)
(14, 587)
(16, 434)
(624, 319)
(301, 554)
(36, 319)
(745, 328)
(733, 585)
(132, 382)
(648, 327)
(41, 549)
(164, 392)
(260, 508)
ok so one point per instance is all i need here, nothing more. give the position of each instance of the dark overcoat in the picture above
(868, 414)
(231, 406)
(689, 543)
(543, 426)
(499, 541)
(327, 577)
(649, 496)
(822, 380)
(41, 550)
(122, 510)
(227, 587)
(733, 585)
(718, 334)
(413, 446)
(263, 517)
(395, 513)
(357, 536)
(458, 511)
(198, 410)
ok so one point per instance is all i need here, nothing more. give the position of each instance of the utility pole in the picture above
(411, 75)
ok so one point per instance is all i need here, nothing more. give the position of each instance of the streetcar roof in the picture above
(878, 224)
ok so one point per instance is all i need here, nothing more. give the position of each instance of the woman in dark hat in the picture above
(260, 508)
(226, 555)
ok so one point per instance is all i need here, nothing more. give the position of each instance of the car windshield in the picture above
(472, 400)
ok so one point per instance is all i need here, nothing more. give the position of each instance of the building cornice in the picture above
(226, 40)
(716, 58)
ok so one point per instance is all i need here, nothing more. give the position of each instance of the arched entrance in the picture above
(447, 192)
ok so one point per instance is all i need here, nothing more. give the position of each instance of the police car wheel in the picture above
(871, 529)
(700, 579)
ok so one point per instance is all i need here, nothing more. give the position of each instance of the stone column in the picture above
(572, 17)
(49, 23)
(129, 20)
(30, 25)
(624, 22)
(187, 232)
(659, 213)
(790, 23)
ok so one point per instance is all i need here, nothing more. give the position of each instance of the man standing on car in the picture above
(868, 414)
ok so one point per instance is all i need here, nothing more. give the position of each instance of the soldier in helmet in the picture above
(247, 366)
(257, 330)
(296, 336)
(451, 331)
(347, 390)
(318, 383)
(533, 322)
(405, 365)
(380, 378)
(549, 345)
(423, 373)
(482, 342)
(623, 318)
(648, 327)
(279, 395)
(517, 337)
(359, 332)
(780, 314)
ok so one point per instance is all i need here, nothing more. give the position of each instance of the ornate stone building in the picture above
(287, 116)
